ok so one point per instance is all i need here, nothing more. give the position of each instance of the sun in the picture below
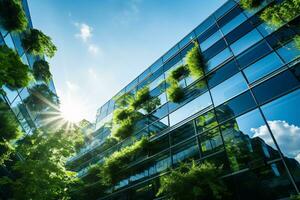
(71, 111)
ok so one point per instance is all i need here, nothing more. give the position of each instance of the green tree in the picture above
(175, 93)
(9, 131)
(278, 14)
(195, 61)
(144, 100)
(41, 71)
(41, 173)
(250, 4)
(193, 181)
(12, 15)
(37, 43)
(40, 98)
(295, 197)
(13, 73)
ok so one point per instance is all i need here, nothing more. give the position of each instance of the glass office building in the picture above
(244, 114)
(28, 119)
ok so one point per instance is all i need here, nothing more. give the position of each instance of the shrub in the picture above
(6, 150)
(175, 93)
(40, 98)
(12, 15)
(13, 73)
(121, 114)
(124, 129)
(142, 96)
(193, 182)
(297, 41)
(250, 4)
(37, 43)
(195, 61)
(178, 73)
(114, 166)
(279, 14)
(41, 71)
(295, 197)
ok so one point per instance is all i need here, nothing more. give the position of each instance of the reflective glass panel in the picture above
(190, 108)
(228, 89)
(182, 133)
(210, 41)
(233, 23)
(187, 150)
(210, 141)
(263, 67)
(245, 42)
(289, 52)
(206, 121)
(218, 59)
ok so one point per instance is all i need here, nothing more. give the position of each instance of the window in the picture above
(224, 9)
(182, 133)
(156, 82)
(171, 53)
(233, 23)
(188, 150)
(155, 66)
(245, 42)
(205, 25)
(9, 42)
(235, 107)
(210, 141)
(223, 73)
(187, 39)
(283, 118)
(218, 59)
(228, 89)
(210, 41)
(265, 29)
(275, 86)
(263, 67)
(289, 52)
(206, 121)
(190, 108)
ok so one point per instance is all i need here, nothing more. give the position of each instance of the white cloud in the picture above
(92, 73)
(85, 31)
(129, 13)
(93, 49)
(287, 136)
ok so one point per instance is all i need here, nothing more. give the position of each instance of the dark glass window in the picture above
(228, 89)
(281, 36)
(170, 53)
(155, 66)
(218, 59)
(214, 49)
(263, 67)
(235, 22)
(289, 51)
(236, 106)
(254, 53)
(182, 133)
(172, 62)
(187, 150)
(220, 75)
(238, 32)
(205, 25)
(201, 38)
(17, 41)
(160, 112)
(210, 142)
(229, 16)
(206, 121)
(158, 126)
(275, 86)
(187, 39)
(208, 42)
(145, 74)
(159, 145)
(224, 9)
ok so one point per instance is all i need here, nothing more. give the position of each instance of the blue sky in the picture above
(104, 44)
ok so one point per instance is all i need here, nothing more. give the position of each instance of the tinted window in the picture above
(275, 87)
(218, 59)
(205, 25)
(233, 23)
(210, 41)
(206, 121)
(190, 108)
(245, 42)
(214, 49)
(228, 89)
(263, 67)
(239, 32)
(182, 133)
(170, 53)
(210, 141)
(236, 106)
(289, 52)
(188, 150)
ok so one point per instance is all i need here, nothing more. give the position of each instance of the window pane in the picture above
(228, 89)
(283, 118)
(265, 29)
(206, 121)
(263, 67)
(210, 41)
(170, 53)
(275, 86)
(245, 42)
(188, 150)
(235, 107)
(289, 52)
(218, 59)
(233, 23)
(210, 141)
(182, 133)
(190, 108)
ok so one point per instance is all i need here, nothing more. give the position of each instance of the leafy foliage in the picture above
(195, 61)
(40, 98)
(118, 161)
(178, 73)
(279, 14)
(37, 43)
(297, 41)
(144, 100)
(175, 93)
(9, 131)
(41, 173)
(12, 15)
(13, 73)
(41, 71)
(193, 182)
(250, 4)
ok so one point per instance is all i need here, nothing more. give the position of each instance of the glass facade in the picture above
(242, 115)
(28, 119)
